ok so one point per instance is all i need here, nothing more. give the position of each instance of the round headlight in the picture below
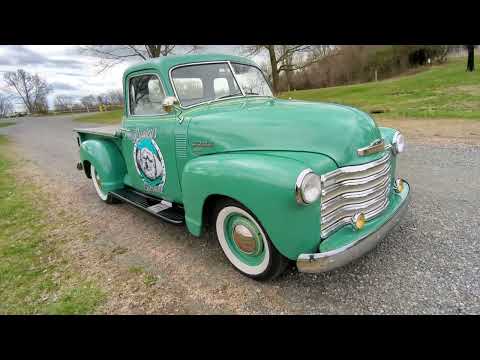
(398, 143)
(308, 187)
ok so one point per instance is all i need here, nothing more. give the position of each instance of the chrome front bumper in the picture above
(329, 260)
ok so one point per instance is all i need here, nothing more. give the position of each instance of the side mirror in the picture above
(169, 103)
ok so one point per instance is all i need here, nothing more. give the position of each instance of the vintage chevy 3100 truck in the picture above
(203, 141)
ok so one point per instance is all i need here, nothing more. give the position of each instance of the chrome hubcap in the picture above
(244, 239)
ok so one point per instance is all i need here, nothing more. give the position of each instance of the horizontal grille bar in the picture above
(337, 174)
(354, 197)
(360, 184)
(347, 220)
(349, 190)
(351, 209)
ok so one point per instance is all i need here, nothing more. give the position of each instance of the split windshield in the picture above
(195, 84)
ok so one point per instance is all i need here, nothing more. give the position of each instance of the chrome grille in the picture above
(352, 189)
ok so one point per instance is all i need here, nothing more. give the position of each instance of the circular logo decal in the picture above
(149, 163)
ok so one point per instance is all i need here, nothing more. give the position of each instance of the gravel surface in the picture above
(429, 264)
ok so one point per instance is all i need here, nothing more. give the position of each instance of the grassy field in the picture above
(444, 91)
(107, 117)
(5, 124)
(34, 277)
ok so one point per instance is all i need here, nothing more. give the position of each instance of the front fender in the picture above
(387, 134)
(108, 161)
(265, 184)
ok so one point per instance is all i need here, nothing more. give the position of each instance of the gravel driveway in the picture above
(429, 264)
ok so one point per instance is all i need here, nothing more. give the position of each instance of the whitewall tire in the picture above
(245, 243)
(97, 183)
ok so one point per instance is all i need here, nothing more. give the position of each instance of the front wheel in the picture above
(245, 243)
(97, 183)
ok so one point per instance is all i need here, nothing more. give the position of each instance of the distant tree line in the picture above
(297, 67)
(31, 90)
(89, 102)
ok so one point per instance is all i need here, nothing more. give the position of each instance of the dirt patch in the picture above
(473, 90)
(436, 130)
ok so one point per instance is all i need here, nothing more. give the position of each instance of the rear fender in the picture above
(108, 161)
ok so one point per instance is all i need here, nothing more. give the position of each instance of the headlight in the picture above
(308, 187)
(398, 143)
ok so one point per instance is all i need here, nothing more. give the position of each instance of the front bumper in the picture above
(329, 260)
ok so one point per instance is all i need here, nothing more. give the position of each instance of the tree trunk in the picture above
(154, 50)
(471, 58)
(288, 75)
(273, 63)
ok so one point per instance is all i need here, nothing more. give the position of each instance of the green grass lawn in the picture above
(444, 91)
(106, 117)
(34, 277)
(5, 124)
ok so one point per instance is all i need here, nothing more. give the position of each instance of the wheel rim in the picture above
(97, 182)
(243, 240)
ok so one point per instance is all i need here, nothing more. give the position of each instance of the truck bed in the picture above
(109, 131)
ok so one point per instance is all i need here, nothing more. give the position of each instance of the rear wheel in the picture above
(245, 243)
(97, 183)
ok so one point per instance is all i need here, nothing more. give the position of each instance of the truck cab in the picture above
(203, 141)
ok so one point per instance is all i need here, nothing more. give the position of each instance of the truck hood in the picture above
(262, 124)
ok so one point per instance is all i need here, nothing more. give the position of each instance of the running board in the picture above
(159, 208)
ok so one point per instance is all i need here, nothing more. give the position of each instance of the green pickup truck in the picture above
(203, 141)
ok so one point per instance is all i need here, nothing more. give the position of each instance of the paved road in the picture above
(429, 264)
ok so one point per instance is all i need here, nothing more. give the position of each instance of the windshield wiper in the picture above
(251, 93)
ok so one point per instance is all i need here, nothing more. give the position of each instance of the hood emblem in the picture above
(376, 146)
(202, 144)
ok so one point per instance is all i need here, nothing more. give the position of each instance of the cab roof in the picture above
(165, 63)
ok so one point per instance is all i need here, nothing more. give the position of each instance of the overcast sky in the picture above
(72, 73)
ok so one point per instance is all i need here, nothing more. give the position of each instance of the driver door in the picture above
(148, 143)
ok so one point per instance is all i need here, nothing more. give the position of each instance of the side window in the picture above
(146, 95)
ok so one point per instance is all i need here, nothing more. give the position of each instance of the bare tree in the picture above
(88, 101)
(63, 102)
(6, 106)
(267, 71)
(115, 97)
(111, 55)
(287, 58)
(31, 89)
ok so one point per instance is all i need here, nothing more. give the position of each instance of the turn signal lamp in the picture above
(358, 221)
(399, 185)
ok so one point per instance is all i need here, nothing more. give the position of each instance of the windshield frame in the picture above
(172, 84)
